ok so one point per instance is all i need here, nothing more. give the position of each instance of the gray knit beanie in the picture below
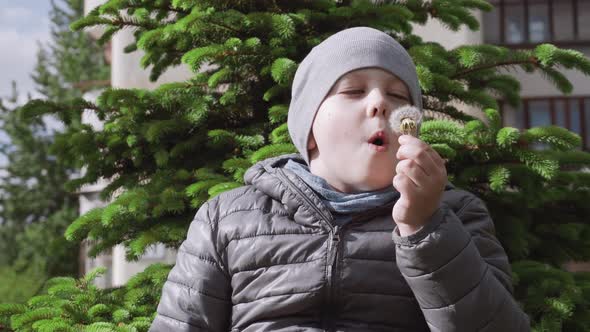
(347, 50)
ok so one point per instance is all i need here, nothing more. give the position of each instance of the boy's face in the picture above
(358, 105)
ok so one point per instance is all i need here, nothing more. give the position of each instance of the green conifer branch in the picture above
(153, 140)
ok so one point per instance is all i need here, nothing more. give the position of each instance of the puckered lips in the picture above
(379, 141)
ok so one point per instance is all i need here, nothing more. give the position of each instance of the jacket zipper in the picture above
(335, 241)
(332, 250)
(327, 323)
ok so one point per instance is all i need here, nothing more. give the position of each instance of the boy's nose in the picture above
(377, 104)
(377, 110)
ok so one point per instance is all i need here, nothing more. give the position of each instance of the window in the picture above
(531, 22)
(572, 113)
(490, 26)
(583, 8)
(539, 22)
(563, 12)
(539, 113)
(514, 23)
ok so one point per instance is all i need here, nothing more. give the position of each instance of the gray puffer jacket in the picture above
(266, 257)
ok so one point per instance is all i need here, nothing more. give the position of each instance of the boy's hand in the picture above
(420, 178)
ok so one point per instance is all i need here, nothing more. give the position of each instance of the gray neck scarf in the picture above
(338, 202)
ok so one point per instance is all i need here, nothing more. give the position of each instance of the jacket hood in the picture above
(260, 174)
(271, 177)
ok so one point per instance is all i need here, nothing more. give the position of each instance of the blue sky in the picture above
(23, 24)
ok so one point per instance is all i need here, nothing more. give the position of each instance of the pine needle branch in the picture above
(459, 75)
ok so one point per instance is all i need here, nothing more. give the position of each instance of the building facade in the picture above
(525, 24)
(512, 23)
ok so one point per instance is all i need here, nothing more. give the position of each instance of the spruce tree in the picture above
(15, 286)
(175, 147)
(71, 63)
(36, 209)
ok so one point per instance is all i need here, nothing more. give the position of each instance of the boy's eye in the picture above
(396, 95)
(354, 91)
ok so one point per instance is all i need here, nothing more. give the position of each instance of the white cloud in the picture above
(20, 30)
(11, 14)
(21, 26)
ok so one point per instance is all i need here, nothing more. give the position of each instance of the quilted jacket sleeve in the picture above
(196, 295)
(460, 273)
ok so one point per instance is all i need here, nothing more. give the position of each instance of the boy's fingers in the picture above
(404, 185)
(420, 156)
(412, 170)
(408, 140)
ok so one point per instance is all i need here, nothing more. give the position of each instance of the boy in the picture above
(344, 236)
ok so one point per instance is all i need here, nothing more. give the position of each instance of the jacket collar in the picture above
(270, 177)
